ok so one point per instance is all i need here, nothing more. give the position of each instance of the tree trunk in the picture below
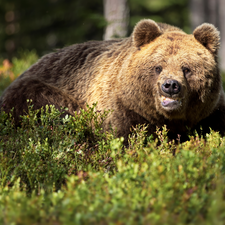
(213, 12)
(210, 11)
(116, 13)
(222, 33)
(197, 13)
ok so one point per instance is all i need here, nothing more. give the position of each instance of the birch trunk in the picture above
(197, 13)
(116, 13)
(210, 11)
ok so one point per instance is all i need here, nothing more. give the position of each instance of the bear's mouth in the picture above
(170, 103)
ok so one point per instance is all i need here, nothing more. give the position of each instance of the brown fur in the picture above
(126, 75)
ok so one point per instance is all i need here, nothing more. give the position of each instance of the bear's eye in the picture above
(186, 71)
(158, 69)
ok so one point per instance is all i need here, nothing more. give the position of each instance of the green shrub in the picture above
(47, 147)
(57, 170)
(10, 71)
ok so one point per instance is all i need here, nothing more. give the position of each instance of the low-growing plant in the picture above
(46, 146)
(9, 71)
(66, 170)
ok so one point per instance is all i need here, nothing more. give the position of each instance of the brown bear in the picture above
(159, 75)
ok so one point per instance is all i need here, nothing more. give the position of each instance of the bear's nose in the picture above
(171, 87)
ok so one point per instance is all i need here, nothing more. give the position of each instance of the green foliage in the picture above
(10, 71)
(46, 25)
(46, 147)
(57, 170)
(166, 11)
(24, 61)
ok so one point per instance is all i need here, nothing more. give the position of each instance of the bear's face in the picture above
(186, 70)
(179, 70)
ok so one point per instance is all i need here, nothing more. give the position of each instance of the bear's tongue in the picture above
(165, 101)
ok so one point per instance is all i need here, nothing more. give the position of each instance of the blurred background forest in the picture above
(44, 25)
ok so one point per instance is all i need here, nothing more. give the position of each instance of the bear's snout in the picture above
(171, 87)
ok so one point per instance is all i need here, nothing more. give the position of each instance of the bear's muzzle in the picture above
(171, 87)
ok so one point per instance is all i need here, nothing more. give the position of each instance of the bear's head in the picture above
(173, 73)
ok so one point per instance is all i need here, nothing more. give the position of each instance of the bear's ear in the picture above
(145, 31)
(208, 36)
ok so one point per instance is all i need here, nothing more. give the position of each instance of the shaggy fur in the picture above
(159, 75)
